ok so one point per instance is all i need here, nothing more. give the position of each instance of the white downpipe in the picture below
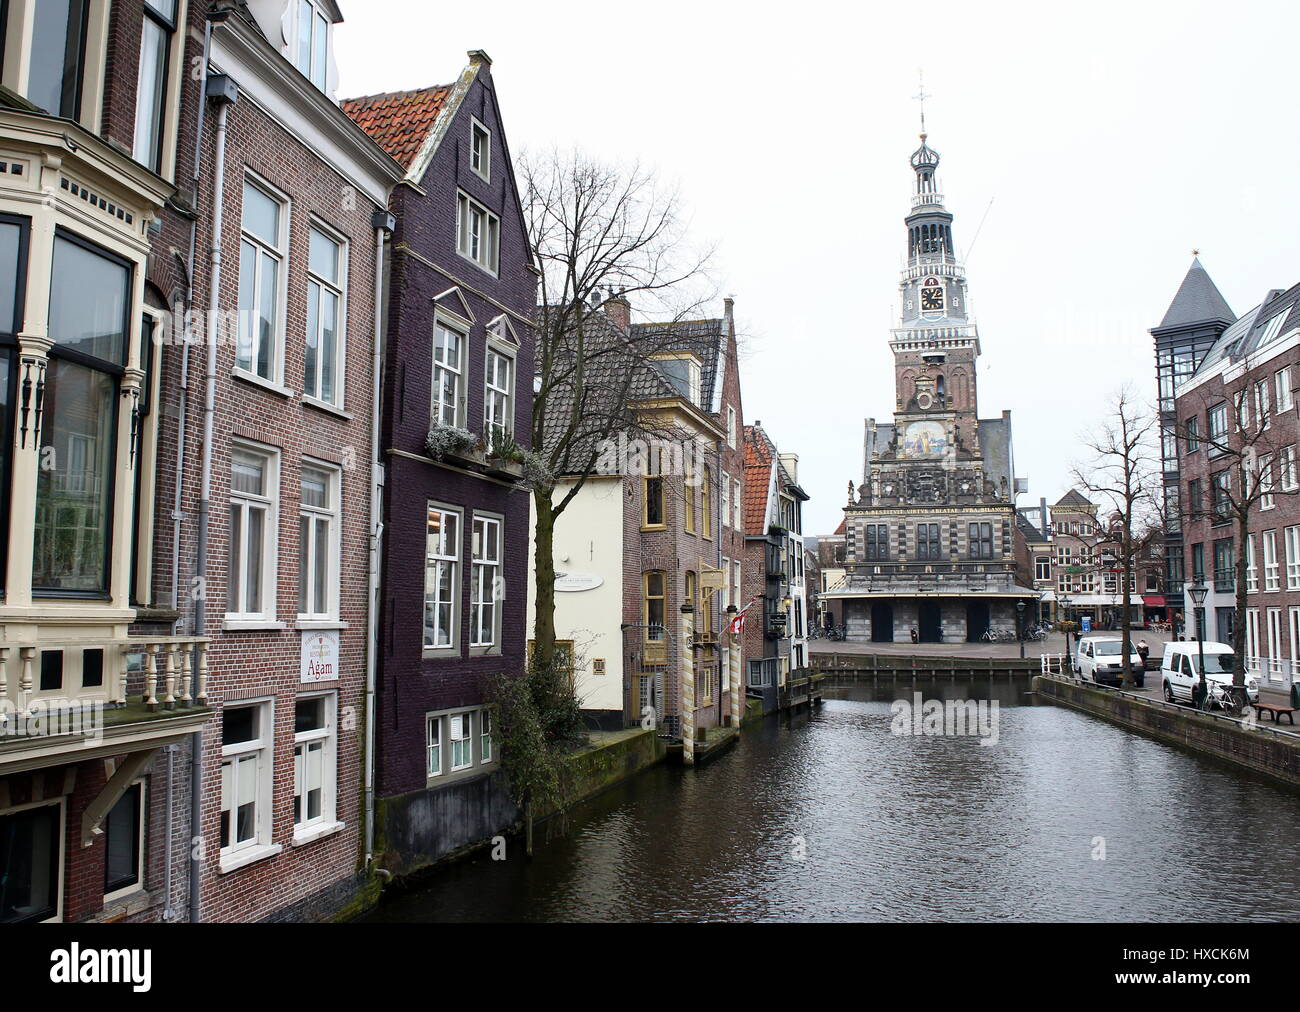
(372, 588)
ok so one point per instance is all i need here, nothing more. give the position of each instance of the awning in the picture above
(1154, 600)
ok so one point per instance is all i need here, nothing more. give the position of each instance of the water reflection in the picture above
(905, 829)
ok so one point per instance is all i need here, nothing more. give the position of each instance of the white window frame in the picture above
(466, 719)
(1282, 389)
(1291, 541)
(1287, 466)
(1262, 412)
(724, 486)
(480, 157)
(142, 821)
(493, 394)
(432, 746)
(486, 578)
(1273, 632)
(487, 255)
(339, 289)
(62, 858)
(269, 503)
(318, 75)
(1252, 635)
(261, 750)
(478, 738)
(737, 505)
(450, 555)
(1272, 580)
(487, 745)
(1267, 480)
(278, 253)
(330, 513)
(445, 323)
(327, 737)
(731, 426)
(1252, 574)
(164, 114)
(1293, 616)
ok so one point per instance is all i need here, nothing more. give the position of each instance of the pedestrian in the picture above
(1142, 651)
(915, 636)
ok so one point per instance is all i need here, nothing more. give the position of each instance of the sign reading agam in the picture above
(320, 655)
(572, 583)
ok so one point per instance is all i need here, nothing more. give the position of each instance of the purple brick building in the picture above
(457, 402)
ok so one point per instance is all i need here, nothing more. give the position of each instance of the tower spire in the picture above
(921, 96)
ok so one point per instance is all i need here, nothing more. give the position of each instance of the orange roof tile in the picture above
(399, 121)
(758, 479)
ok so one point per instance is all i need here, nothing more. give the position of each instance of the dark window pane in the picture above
(57, 41)
(309, 714)
(51, 670)
(92, 667)
(10, 244)
(122, 842)
(239, 724)
(29, 859)
(88, 298)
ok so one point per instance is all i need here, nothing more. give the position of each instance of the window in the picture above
(311, 43)
(1192, 430)
(480, 150)
(498, 396)
(682, 373)
(724, 486)
(13, 272)
(88, 323)
(1042, 567)
(1222, 490)
(877, 542)
(478, 233)
(433, 746)
(441, 578)
(1291, 537)
(324, 356)
(461, 738)
(152, 86)
(485, 735)
(318, 570)
(981, 541)
(737, 507)
(1195, 497)
(31, 854)
(654, 607)
(485, 582)
(731, 426)
(1271, 581)
(1267, 482)
(124, 843)
(314, 761)
(688, 505)
(1261, 403)
(1198, 563)
(1287, 465)
(254, 489)
(58, 56)
(1241, 410)
(447, 345)
(706, 505)
(261, 254)
(1252, 574)
(246, 735)
(1224, 577)
(927, 541)
(1218, 427)
(1282, 387)
(653, 494)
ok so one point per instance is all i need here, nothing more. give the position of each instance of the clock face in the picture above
(931, 299)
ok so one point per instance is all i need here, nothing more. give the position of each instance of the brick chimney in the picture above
(790, 461)
(619, 310)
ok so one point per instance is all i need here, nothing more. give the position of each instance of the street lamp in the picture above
(1020, 626)
(1198, 591)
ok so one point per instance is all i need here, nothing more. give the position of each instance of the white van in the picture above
(1100, 659)
(1179, 670)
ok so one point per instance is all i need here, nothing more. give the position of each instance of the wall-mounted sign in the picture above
(320, 655)
(571, 583)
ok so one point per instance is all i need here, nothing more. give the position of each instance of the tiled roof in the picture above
(1074, 498)
(399, 121)
(759, 452)
(698, 336)
(1197, 301)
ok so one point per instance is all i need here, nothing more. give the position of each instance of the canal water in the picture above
(829, 816)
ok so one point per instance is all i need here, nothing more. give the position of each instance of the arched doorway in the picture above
(929, 624)
(882, 622)
(977, 620)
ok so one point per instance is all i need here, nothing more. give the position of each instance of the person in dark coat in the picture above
(1142, 651)
(915, 636)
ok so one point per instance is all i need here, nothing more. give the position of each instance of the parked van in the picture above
(1100, 659)
(1179, 671)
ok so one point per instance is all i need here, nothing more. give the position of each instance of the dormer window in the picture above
(480, 151)
(310, 46)
(683, 372)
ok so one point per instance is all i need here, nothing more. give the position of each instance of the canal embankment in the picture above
(889, 667)
(1264, 748)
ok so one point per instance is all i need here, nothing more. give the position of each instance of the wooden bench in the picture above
(1276, 711)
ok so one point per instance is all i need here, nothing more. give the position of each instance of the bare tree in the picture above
(1122, 472)
(607, 234)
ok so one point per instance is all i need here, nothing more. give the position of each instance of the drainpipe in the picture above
(224, 93)
(384, 223)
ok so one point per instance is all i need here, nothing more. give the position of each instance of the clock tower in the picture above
(930, 534)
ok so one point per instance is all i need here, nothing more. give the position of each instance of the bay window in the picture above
(13, 275)
(152, 85)
(324, 358)
(90, 292)
(442, 578)
(261, 255)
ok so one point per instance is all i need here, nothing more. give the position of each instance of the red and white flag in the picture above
(736, 626)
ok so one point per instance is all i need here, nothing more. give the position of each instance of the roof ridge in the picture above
(394, 94)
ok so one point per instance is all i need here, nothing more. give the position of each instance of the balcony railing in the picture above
(159, 673)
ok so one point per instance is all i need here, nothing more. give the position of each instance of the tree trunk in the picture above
(1239, 605)
(544, 564)
(1126, 552)
(528, 827)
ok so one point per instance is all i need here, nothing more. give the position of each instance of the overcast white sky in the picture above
(1112, 139)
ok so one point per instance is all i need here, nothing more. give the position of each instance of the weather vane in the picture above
(921, 96)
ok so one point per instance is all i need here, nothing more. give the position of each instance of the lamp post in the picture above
(1198, 591)
(1020, 626)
